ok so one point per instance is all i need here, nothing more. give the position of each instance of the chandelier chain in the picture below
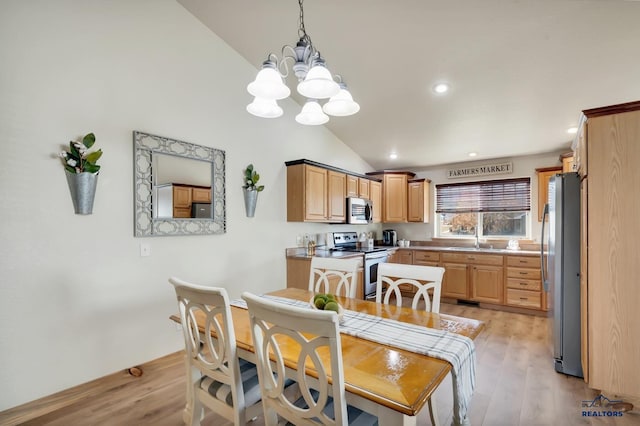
(302, 32)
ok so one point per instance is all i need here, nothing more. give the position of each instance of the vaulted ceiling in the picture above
(520, 71)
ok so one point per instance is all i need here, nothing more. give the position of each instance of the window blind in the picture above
(506, 195)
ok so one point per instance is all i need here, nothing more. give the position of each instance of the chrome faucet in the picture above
(477, 239)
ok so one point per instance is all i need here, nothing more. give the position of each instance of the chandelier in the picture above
(315, 82)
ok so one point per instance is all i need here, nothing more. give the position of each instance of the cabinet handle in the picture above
(471, 258)
(524, 273)
(523, 261)
(524, 283)
(524, 298)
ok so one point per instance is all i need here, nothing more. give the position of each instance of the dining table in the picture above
(389, 382)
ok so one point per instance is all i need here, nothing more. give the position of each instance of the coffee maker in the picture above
(389, 237)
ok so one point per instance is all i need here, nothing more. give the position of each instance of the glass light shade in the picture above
(268, 85)
(341, 104)
(318, 84)
(312, 114)
(265, 108)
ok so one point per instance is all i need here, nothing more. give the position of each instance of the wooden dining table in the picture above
(389, 382)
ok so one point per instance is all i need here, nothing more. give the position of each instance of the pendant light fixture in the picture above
(315, 82)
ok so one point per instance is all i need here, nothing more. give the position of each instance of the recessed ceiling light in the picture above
(393, 155)
(473, 154)
(441, 88)
(572, 130)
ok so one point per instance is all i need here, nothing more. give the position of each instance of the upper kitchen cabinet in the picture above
(317, 192)
(358, 187)
(568, 164)
(375, 195)
(544, 175)
(418, 200)
(610, 258)
(394, 194)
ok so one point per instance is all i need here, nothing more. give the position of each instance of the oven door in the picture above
(370, 275)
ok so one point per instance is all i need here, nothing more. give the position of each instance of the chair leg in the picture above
(433, 412)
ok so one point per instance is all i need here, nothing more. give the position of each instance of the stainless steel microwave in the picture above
(359, 210)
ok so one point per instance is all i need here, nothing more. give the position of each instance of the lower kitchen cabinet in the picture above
(455, 283)
(299, 268)
(523, 284)
(486, 283)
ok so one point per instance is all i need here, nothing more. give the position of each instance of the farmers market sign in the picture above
(488, 169)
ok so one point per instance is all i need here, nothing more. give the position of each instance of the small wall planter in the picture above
(250, 201)
(83, 190)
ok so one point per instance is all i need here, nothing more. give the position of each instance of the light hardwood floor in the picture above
(516, 385)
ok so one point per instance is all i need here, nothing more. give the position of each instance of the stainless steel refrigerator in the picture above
(561, 277)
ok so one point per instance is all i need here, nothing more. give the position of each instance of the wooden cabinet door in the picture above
(405, 256)
(336, 196)
(363, 188)
(487, 283)
(316, 205)
(352, 186)
(395, 198)
(182, 197)
(543, 186)
(418, 201)
(375, 195)
(455, 281)
(201, 195)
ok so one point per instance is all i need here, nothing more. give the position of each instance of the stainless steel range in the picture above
(372, 257)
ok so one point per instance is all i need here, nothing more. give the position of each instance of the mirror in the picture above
(179, 187)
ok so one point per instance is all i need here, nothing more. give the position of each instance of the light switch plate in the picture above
(145, 249)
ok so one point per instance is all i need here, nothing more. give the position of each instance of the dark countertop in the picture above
(301, 252)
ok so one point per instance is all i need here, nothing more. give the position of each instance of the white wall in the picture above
(76, 300)
(522, 167)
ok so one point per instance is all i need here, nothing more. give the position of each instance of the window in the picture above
(497, 208)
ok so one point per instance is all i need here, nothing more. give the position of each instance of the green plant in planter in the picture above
(251, 178)
(78, 159)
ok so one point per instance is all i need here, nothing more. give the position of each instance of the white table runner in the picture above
(457, 350)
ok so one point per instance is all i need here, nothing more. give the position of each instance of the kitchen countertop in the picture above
(301, 252)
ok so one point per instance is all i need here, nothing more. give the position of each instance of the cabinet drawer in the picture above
(528, 274)
(524, 261)
(527, 299)
(522, 284)
(425, 256)
(476, 259)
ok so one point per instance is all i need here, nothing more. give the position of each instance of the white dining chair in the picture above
(276, 327)
(331, 275)
(224, 383)
(421, 279)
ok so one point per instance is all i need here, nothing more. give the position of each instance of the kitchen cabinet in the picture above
(181, 201)
(358, 187)
(315, 194)
(471, 276)
(394, 195)
(352, 186)
(418, 200)
(544, 175)
(336, 197)
(455, 282)
(568, 165)
(364, 188)
(375, 195)
(486, 283)
(523, 284)
(609, 154)
(299, 268)
(405, 256)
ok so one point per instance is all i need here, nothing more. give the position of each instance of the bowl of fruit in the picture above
(327, 302)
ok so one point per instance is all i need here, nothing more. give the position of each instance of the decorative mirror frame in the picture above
(145, 145)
